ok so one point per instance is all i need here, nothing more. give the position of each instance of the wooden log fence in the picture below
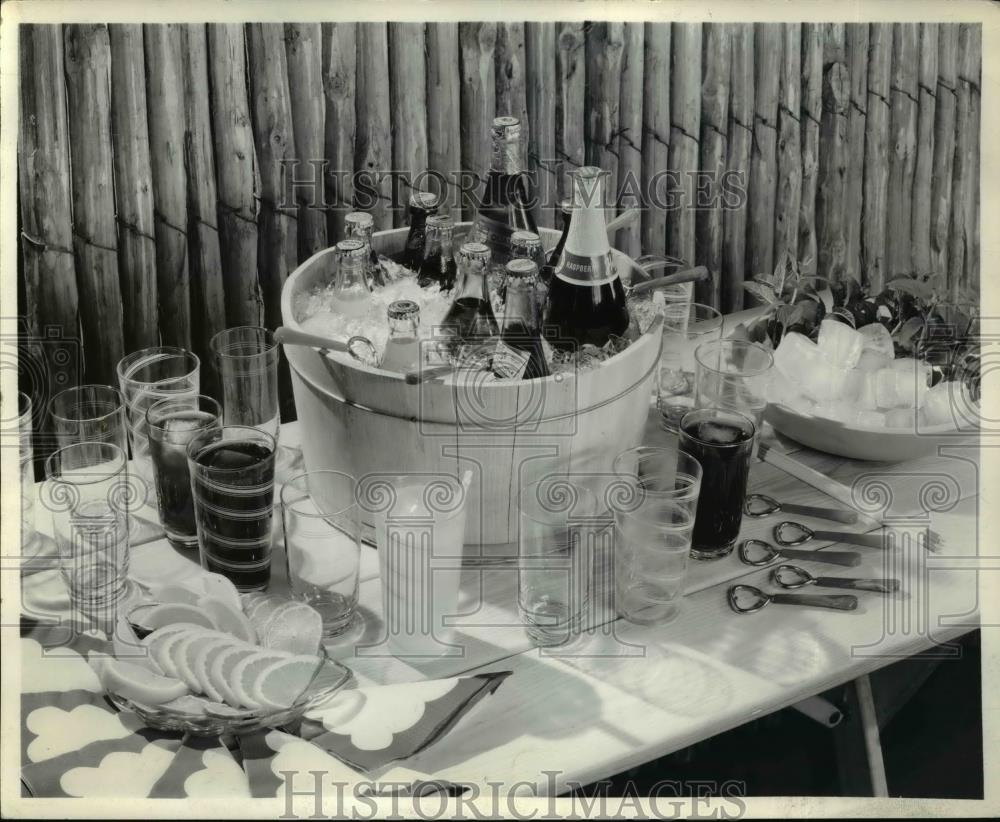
(158, 201)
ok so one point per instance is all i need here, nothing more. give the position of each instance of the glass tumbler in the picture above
(247, 361)
(685, 326)
(89, 413)
(323, 545)
(735, 375)
(26, 453)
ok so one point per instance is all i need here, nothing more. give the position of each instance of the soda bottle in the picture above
(586, 299)
(519, 354)
(505, 206)
(545, 274)
(402, 349)
(360, 226)
(470, 318)
(524, 245)
(423, 204)
(351, 292)
(438, 264)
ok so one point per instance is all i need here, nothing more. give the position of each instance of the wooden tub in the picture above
(362, 420)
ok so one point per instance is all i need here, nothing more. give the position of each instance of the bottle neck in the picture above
(586, 254)
(471, 281)
(361, 232)
(507, 157)
(521, 307)
(404, 327)
(351, 274)
(438, 242)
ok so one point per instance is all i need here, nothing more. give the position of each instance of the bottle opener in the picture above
(754, 599)
(801, 533)
(770, 553)
(761, 505)
(791, 577)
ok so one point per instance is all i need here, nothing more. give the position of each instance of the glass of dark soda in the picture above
(722, 441)
(171, 425)
(232, 480)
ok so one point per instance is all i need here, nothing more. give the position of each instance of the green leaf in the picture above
(905, 334)
(764, 293)
(920, 290)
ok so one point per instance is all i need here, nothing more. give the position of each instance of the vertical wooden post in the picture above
(714, 153)
(831, 237)
(630, 137)
(51, 298)
(444, 139)
(277, 250)
(972, 201)
(740, 134)
(208, 300)
(963, 190)
(511, 93)
(876, 180)
(95, 240)
(235, 161)
(570, 118)
(340, 65)
(903, 139)
(857, 66)
(920, 219)
(540, 59)
(944, 145)
(655, 134)
(605, 44)
(408, 104)
(478, 100)
(133, 193)
(788, 199)
(812, 112)
(685, 119)
(373, 143)
(763, 156)
(304, 54)
(165, 104)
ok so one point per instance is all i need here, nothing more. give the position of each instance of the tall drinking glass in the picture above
(26, 453)
(89, 413)
(87, 490)
(145, 377)
(722, 443)
(686, 325)
(558, 526)
(172, 424)
(654, 517)
(232, 481)
(733, 374)
(247, 360)
(323, 545)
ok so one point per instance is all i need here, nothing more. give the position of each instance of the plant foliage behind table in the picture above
(917, 311)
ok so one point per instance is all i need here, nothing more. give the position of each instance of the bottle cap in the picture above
(522, 267)
(401, 309)
(475, 252)
(525, 238)
(350, 249)
(361, 219)
(424, 200)
(441, 222)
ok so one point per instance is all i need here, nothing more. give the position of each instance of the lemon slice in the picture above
(168, 613)
(139, 684)
(220, 670)
(228, 619)
(245, 674)
(160, 642)
(219, 587)
(294, 627)
(175, 593)
(260, 610)
(280, 684)
(179, 654)
(196, 654)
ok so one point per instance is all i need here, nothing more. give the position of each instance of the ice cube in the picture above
(886, 395)
(877, 339)
(795, 355)
(853, 385)
(801, 404)
(900, 418)
(825, 382)
(839, 343)
(873, 360)
(868, 396)
(180, 425)
(840, 411)
(719, 434)
(941, 403)
(870, 419)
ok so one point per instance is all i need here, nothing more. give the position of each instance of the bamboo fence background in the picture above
(151, 157)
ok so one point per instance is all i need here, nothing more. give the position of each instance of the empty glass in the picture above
(247, 360)
(323, 545)
(232, 481)
(87, 490)
(26, 455)
(145, 377)
(686, 325)
(89, 413)
(172, 424)
(733, 374)
(558, 527)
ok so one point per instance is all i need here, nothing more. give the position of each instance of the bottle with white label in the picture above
(586, 300)
(402, 349)
(519, 354)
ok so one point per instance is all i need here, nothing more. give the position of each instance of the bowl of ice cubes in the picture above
(847, 394)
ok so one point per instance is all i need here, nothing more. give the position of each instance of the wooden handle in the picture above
(627, 217)
(425, 374)
(878, 586)
(838, 602)
(689, 275)
(832, 514)
(289, 336)
(874, 540)
(847, 559)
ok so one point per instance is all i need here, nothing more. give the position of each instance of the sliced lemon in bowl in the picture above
(280, 684)
(140, 684)
(246, 671)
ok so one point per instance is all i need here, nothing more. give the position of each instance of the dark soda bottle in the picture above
(423, 204)
(438, 264)
(470, 318)
(586, 299)
(506, 203)
(520, 354)
(547, 270)
(360, 226)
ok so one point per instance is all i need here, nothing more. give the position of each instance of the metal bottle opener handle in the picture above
(843, 558)
(836, 602)
(783, 538)
(791, 576)
(761, 505)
